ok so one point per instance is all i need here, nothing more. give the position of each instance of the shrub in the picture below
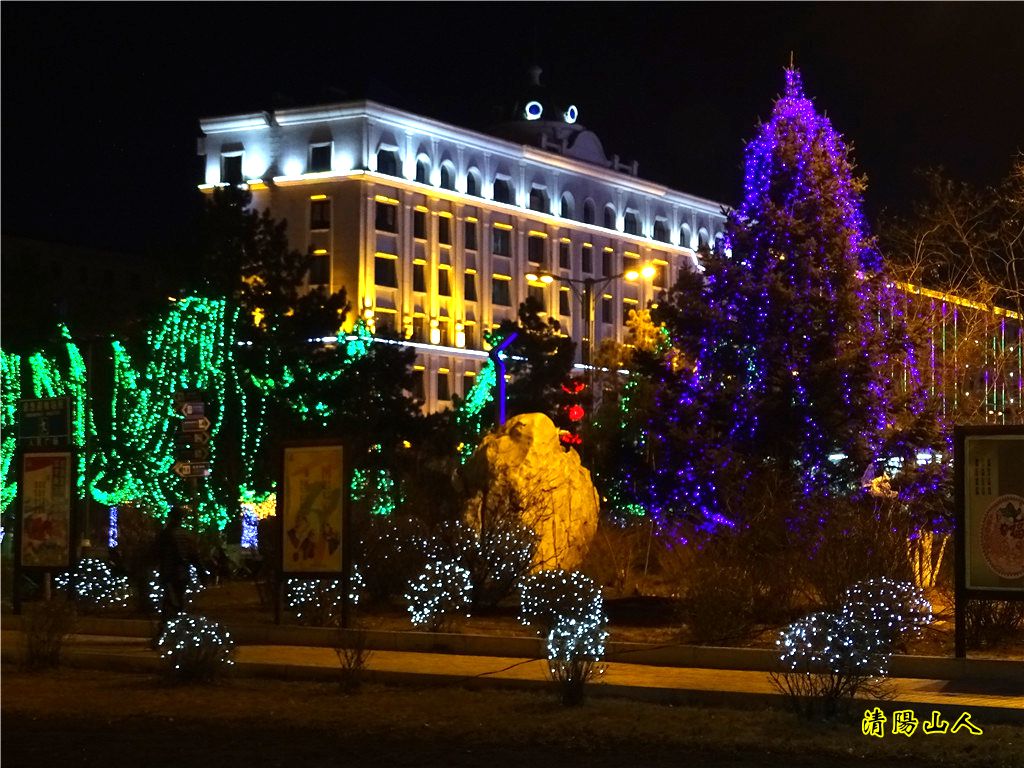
(318, 602)
(828, 659)
(47, 625)
(91, 584)
(567, 608)
(991, 622)
(442, 591)
(897, 609)
(352, 656)
(195, 648)
(393, 552)
(156, 589)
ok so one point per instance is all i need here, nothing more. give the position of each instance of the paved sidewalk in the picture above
(988, 700)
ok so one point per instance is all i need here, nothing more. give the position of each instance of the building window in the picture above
(702, 238)
(419, 225)
(469, 228)
(423, 170)
(473, 182)
(607, 266)
(503, 191)
(387, 162)
(501, 294)
(444, 230)
(609, 217)
(535, 249)
(420, 329)
(685, 236)
(535, 295)
(568, 209)
(660, 271)
(443, 389)
(447, 176)
(539, 200)
(320, 157)
(469, 287)
(606, 309)
(417, 384)
(385, 272)
(501, 242)
(320, 270)
(588, 259)
(589, 215)
(661, 230)
(387, 217)
(631, 223)
(563, 302)
(470, 331)
(444, 282)
(419, 278)
(629, 305)
(468, 379)
(320, 214)
(564, 257)
(231, 168)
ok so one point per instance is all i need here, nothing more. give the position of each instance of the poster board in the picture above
(312, 508)
(44, 531)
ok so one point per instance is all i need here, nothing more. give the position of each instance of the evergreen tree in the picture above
(803, 379)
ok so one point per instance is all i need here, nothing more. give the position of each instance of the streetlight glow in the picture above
(649, 271)
(632, 275)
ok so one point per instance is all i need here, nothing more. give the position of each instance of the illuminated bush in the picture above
(393, 552)
(828, 659)
(567, 608)
(93, 584)
(897, 609)
(318, 602)
(497, 558)
(441, 592)
(156, 589)
(195, 648)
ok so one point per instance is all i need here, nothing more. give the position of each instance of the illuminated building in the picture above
(431, 228)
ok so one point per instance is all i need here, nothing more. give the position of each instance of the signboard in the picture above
(993, 511)
(193, 435)
(45, 538)
(311, 506)
(44, 422)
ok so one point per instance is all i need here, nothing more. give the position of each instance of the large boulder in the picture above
(522, 471)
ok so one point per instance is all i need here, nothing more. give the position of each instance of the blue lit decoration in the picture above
(499, 362)
(112, 528)
(250, 537)
(777, 355)
(533, 110)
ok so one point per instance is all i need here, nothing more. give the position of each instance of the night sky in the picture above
(101, 102)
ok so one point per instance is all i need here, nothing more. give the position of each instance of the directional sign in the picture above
(43, 422)
(191, 454)
(190, 469)
(200, 424)
(192, 409)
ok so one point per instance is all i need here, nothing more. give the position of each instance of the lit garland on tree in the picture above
(471, 416)
(10, 392)
(802, 366)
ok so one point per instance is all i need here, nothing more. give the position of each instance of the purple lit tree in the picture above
(803, 377)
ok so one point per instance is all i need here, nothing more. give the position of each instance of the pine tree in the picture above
(802, 379)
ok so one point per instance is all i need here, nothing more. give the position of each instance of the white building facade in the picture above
(431, 229)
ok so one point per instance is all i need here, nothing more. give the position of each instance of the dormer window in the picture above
(320, 157)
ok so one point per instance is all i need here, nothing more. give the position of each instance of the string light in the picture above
(92, 582)
(442, 591)
(196, 647)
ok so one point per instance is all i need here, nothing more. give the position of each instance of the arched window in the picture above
(719, 242)
(539, 200)
(502, 191)
(631, 223)
(685, 236)
(473, 182)
(423, 169)
(609, 216)
(568, 208)
(589, 213)
(448, 175)
(661, 230)
(702, 238)
(387, 161)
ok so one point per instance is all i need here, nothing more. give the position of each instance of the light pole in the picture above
(584, 290)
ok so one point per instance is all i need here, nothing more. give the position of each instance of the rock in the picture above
(521, 470)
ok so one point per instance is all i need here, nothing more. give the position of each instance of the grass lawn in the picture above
(87, 718)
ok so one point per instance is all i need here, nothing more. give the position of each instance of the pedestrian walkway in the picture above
(988, 700)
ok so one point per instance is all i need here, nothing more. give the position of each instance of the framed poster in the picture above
(45, 532)
(990, 511)
(312, 508)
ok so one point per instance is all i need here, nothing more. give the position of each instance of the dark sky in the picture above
(101, 101)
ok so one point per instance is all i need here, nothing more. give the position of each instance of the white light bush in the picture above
(897, 609)
(156, 589)
(441, 592)
(828, 658)
(195, 648)
(91, 583)
(318, 602)
(567, 608)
